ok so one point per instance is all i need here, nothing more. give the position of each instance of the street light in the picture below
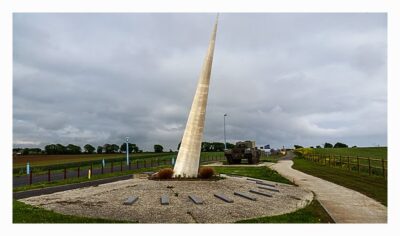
(225, 115)
(127, 151)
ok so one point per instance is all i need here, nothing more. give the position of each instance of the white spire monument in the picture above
(188, 159)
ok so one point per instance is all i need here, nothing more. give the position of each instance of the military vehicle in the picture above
(243, 150)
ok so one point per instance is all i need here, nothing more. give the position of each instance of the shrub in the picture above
(206, 172)
(165, 173)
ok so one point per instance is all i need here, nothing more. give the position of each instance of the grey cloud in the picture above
(282, 78)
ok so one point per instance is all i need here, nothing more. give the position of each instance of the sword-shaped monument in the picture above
(188, 159)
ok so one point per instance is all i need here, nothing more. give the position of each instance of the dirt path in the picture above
(343, 204)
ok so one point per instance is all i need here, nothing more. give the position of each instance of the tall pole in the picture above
(127, 151)
(225, 130)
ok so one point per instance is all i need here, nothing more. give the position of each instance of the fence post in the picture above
(383, 167)
(91, 169)
(340, 161)
(348, 162)
(79, 171)
(137, 164)
(329, 160)
(102, 169)
(129, 165)
(65, 173)
(369, 166)
(358, 165)
(48, 175)
(30, 177)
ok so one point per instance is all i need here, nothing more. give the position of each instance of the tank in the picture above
(243, 150)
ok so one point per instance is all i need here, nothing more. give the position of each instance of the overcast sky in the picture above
(283, 79)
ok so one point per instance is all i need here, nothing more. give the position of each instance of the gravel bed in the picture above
(106, 201)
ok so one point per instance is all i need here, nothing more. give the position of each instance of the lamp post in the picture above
(127, 151)
(225, 115)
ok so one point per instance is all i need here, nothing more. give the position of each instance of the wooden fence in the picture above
(372, 166)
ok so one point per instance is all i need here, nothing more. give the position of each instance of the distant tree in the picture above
(340, 145)
(318, 146)
(25, 151)
(50, 149)
(89, 148)
(354, 146)
(311, 147)
(158, 148)
(132, 147)
(99, 150)
(61, 149)
(107, 148)
(297, 146)
(114, 148)
(206, 146)
(328, 145)
(170, 150)
(230, 145)
(73, 149)
(217, 147)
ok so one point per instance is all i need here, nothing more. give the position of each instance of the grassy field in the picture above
(41, 163)
(372, 152)
(313, 213)
(372, 186)
(23, 213)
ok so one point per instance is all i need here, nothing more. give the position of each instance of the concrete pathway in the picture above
(343, 204)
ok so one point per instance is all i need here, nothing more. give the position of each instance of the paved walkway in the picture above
(343, 204)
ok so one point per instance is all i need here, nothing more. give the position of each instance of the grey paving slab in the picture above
(268, 188)
(196, 199)
(131, 200)
(245, 195)
(260, 193)
(164, 199)
(223, 197)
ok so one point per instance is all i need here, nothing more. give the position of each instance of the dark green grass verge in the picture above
(373, 186)
(313, 213)
(253, 172)
(24, 213)
(83, 179)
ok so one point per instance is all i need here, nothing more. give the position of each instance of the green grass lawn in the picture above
(253, 172)
(24, 213)
(372, 186)
(313, 213)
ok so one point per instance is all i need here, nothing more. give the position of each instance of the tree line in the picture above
(327, 145)
(213, 146)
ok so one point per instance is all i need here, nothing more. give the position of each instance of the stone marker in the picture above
(263, 183)
(260, 193)
(269, 188)
(188, 159)
(223, 197)
(164, 200)
(196, 199)
(131, 200)
(245, 195)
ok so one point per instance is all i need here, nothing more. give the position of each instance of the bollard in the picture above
(102, 169)
(79, 171)
(129, 165)
(89, 174)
